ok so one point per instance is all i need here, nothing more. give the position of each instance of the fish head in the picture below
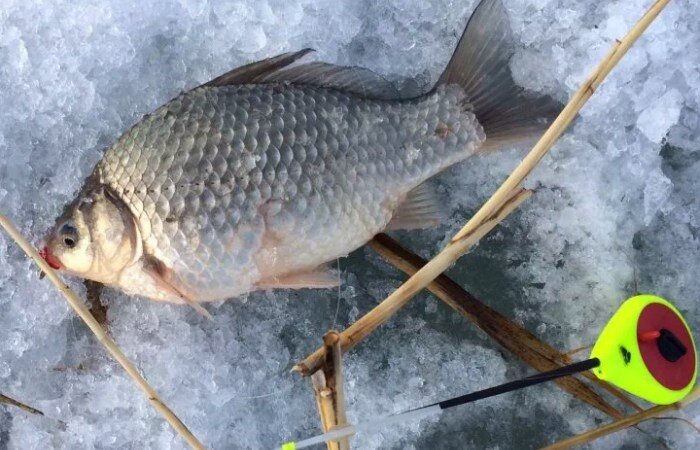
(95, 238)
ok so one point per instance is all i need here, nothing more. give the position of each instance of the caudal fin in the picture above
(508, 113)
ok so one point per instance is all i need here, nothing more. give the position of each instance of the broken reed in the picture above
(513, 337)
(497, 208)
(329, 388)
(11, 401)
(82, 311)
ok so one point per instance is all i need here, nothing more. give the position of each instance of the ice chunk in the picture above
(656, 119)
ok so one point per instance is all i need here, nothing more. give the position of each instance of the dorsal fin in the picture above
(251, 73)
(355, 80)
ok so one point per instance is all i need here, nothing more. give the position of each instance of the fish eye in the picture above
(69, 235)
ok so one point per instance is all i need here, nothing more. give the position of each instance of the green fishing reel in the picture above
(647, 349)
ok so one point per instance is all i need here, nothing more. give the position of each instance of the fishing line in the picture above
(337, 304)
(439, 407)
(679, 419)
(574, 351)
(271, 394)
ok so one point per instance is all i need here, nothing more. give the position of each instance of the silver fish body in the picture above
(260, 177)
(236, 186)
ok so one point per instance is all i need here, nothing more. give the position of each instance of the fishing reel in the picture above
(647, 349)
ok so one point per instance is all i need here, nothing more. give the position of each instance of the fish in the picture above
(261, 177)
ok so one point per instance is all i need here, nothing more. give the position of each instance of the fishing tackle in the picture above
(646, 349)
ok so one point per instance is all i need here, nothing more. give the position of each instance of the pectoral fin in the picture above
(318, 278)
(163, 277)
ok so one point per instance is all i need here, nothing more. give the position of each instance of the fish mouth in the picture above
(50, 259)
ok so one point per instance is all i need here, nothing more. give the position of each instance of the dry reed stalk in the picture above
(11, 401)
(510, 335)
(625, 423)
(470, 234)
(328, 385)
(324, 402)
(101, 335)
(332, 340)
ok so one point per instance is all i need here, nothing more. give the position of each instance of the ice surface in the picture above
(617, 196)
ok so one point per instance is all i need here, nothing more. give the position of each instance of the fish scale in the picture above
(217, 169)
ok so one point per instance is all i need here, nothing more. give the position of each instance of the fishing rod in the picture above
(646, 349)
(438, 408)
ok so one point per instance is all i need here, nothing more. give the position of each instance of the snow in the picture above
(616, 205)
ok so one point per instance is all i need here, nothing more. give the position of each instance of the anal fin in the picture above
(318, 278)
(420, 209)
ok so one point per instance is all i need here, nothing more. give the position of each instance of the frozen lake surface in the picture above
(617, 197)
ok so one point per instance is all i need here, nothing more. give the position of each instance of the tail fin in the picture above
(508, 113)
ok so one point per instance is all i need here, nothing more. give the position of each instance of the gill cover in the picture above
(647, 349)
